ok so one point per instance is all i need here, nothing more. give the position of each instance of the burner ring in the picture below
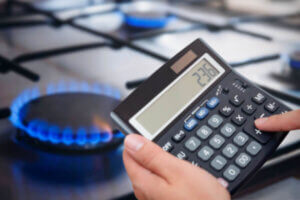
(36, 116)
(146, 15)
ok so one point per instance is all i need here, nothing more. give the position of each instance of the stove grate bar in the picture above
(59, 51)
(119, 41)
(30, 8)
(7, 65)
(154, 33)
(23, 23)
(256, 60)
(82, 16)
(216, 27)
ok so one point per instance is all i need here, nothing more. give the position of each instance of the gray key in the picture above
(215, 121)
(242, 160)
(228, 129)
(240, 139)
(218, 162)
(204, 132)
(230, 150)
(216, 141)
(192, 143)
(205, 153)
(253, 148)
(231, 172)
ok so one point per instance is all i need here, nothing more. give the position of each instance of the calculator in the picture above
(199, 109)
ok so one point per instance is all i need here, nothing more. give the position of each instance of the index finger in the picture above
(281, 122)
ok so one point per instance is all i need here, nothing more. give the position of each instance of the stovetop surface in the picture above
(30, 173)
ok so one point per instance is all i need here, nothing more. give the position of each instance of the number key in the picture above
(218, 162)
(228, 129)
(242, 160)
(230, 150)
(240, 139)
(192, 143)
(216, 141)
(205, 153)
(215, 121)
(231, 172)
(204, 132)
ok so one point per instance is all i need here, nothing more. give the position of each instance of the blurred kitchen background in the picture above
(50, 44)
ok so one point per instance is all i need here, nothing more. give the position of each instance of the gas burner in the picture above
(146, 15)
(71, 116)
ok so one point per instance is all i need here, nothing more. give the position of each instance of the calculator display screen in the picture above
(161, 110)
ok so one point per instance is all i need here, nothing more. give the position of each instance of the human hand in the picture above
(282, 122)
(156, 174)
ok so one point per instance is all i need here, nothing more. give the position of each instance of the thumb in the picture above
(150, 156)
(281, 122)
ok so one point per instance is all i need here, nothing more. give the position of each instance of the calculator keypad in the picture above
(219, 134)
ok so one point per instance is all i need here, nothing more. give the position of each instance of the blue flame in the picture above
(140, 22)
(47, 132)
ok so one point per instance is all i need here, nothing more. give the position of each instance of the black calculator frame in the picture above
(165, 76)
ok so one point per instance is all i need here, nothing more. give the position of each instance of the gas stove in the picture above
(64, 65)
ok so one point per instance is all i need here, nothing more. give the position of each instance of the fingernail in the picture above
(223, 182)
(260, 121)
(134, 142)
